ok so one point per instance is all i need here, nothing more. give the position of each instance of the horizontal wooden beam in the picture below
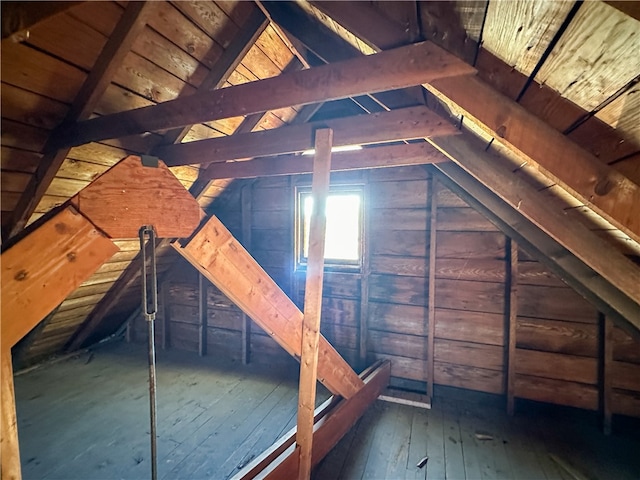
(610, 193)
(130, 194)
(333, 419)
(404, 124)
(570, 269)
(44, 267)
(373, 157)
(571, 234)
(225, 263)
(402, 67)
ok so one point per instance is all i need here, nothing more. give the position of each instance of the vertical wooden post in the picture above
(607, 390)
(364, 280)
(246, 201)
(166, 315)
(433, 227)
(313, 300)
(512, 319)
(202, 314)
(10, 460)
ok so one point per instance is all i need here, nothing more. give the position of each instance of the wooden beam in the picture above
(130, 194)
(334, 419)
(573, 235)
(431, 302)
(226, 64)
(404, 124)
(223, 260)
(203, 308)
(367, 158)
(598, 185)
(131, 24)
(313, 299)
(406, 66)
(544, 248)
(363, 328)
(610, 193)
(43, 268)
(10, 450)
(246, 200)
(512, 318)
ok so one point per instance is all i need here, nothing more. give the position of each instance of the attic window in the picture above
(343, 245)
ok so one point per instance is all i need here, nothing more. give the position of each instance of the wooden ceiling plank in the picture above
(225, 65)
(598, 185)
(378, 157)
(571, 234)
(403, 67)
(116, 48)
(404, 124)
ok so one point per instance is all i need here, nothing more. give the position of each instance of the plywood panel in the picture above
(468, 326)
(591, 61)
(623, 114)
(557, 391)
(407, 319)
(519, 32)
(557, 336)
(555, 303)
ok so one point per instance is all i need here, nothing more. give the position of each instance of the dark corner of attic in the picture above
(325, 240)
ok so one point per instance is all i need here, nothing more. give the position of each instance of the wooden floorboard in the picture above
(87, 418)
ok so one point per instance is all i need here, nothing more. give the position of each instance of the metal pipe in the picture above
(149, 310)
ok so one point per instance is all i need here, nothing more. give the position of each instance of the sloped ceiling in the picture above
(572, 65)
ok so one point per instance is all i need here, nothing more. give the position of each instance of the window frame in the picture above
(300, 262)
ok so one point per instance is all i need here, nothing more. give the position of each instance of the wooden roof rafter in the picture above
(132, 22)
(607, 191)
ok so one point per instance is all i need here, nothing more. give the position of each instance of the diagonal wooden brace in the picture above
(223, 260)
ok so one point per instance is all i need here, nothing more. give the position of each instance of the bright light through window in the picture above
(344, 218)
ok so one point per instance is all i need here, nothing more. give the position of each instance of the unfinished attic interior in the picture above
(391, 239)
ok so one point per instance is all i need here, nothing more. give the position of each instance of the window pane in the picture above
(343, 226)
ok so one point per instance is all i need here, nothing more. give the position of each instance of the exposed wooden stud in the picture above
(546, 250)
(223, 260)
(403, 124)
(431, 302)
(363, 348)
(226, 64)
(573, 235)
(202, 315)
(512, 317)
(375, 157)
(393, 69)
(131, 24)
(10, 451)
(607, 374)
(313, 300)
(43, 268)
(246, 207)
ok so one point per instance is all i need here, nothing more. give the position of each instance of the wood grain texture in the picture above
(43, 268)
(407, 66)
(403, 124)
(130, 195)
(378, 157)
(313, 300)
(218, 256)
(558, 392)
(10, 448)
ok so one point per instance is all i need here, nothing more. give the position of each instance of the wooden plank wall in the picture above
(559, 335)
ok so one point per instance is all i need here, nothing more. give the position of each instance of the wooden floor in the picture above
(87, 418)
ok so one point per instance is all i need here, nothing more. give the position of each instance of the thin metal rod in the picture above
(149, 311)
